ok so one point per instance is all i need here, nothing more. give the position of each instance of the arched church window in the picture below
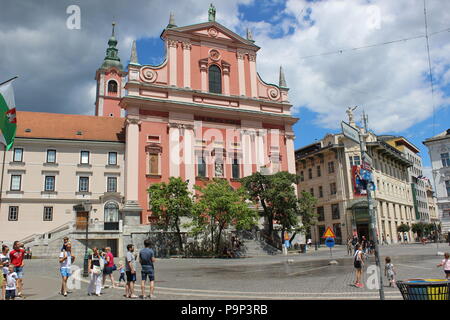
(215, 79)
(112, 86)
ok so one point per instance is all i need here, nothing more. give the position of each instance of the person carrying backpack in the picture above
(358, 263)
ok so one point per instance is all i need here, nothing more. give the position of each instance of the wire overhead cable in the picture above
(429, 62)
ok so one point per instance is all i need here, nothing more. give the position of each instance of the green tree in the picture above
(169, 202)
(220, 206)
(307, 208)
(276, 194)
(418, 228)
(403, 228)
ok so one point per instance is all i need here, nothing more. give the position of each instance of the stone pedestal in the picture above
(131, 213)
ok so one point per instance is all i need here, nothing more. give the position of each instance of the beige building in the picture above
(327, 170)
(432, 203)
(60, 161)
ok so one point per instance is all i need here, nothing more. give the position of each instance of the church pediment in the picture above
(212, 31)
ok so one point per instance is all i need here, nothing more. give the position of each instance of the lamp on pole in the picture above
(85, 207)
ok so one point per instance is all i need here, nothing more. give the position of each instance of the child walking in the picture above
(11, 279)
(446, 264)
(122, 273)
(389, 272)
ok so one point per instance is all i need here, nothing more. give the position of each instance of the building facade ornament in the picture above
(148, 75)
(187, 45)
(252, 56)
(214, 54)
(172, 43)
(240, 55)
(213, 32)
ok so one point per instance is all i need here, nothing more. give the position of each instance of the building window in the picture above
(48, 213)
(302, 176)
(335, 211)
(311, 191)
(447, 186)
(201, 167)
(445, 159)
(215, 79)
(331, 167)
(235, 169)
(320, 192)
(18, 155)
(321, 214)
(13, 213)
(112, 86)
(84, 158)
(111, 212)
(112, 158)
(51, 156)
(310, 173)
(355, 160)
(49, 184)
(84, 184)
(333, 188)
(16, 181)
(319, 173)
(111, 184)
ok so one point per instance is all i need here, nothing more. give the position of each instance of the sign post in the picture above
(329, 239)
(348, 132)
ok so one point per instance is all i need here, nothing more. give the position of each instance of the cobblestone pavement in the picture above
(296, 276)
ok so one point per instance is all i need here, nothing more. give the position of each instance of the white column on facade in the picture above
(246, 152)
(189, 156)
(187, 64)
(241, 72)
(203, 75)
(132, 160)
(290, 152)
(172, 45)
(174, 150)
(253, 83)
(226, 79)
(260, 150)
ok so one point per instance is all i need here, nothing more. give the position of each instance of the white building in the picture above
(439, 150)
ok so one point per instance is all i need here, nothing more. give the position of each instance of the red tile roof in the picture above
(69, 126)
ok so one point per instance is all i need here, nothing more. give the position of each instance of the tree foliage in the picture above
(219, 206)
(307, 208)
(403, 228)
(168, 203)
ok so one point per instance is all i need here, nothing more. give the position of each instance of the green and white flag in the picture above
(8, 121)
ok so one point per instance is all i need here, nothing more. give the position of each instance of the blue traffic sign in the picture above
(329, 242)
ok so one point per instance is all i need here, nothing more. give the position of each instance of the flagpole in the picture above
(3, 171)
(9, 80)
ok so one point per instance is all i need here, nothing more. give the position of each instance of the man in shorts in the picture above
(147, 258)
(16, 257)
(130, 270)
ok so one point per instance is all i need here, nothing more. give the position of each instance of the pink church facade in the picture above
(204, 113)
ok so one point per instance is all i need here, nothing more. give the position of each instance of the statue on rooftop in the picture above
(212, 13)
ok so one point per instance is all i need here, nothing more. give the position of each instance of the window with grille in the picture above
(48, 213)
(49, 184)
(215, 79)
(84, 184)
(111, 185)
(13, 213)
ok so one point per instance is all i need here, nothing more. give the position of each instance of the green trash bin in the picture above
(424, 289)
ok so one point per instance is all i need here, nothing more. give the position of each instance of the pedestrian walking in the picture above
(389, 271)
(16, 259)
(65, 260)
(130, 267)
(95, 267)
(65, 241)
(147, 258)
(349, 246)
(4, 264)
(358, 263)
(364, 244)
(110, 267)
(446, 265)
(122, 273)
(405, 238)
(11, 282)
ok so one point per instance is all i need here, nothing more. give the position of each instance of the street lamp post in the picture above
(85, 264)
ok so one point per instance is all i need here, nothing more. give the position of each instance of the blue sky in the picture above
(311, 127)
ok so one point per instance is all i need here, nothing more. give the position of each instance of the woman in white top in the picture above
(358, 262)
(65, 260)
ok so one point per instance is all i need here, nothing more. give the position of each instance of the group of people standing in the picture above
(101, 266)
(12, 265)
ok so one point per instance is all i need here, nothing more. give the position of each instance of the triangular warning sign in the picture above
(329, 233)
